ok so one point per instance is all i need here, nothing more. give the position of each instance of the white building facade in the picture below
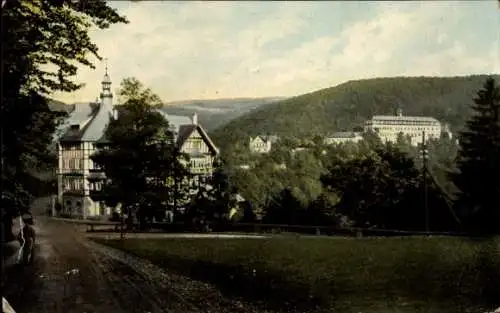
(80, 180)
(261, 144)
(343, 137)
(388, 127)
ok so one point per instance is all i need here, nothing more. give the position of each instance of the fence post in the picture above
(359, 233)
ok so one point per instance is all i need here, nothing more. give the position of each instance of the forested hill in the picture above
(348, 105)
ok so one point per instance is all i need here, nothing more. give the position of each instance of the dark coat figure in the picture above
(28, 234)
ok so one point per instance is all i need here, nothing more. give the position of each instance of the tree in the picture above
(214, 200)
(141, 158)
(283, 208)
(36, 34)
(478, 166)
(370, 187)
(132, 88)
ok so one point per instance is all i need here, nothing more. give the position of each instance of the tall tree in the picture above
(478, 166)
(36, 34)
(141, 159)
(132, 88)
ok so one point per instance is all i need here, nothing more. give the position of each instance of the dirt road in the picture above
(72, 274)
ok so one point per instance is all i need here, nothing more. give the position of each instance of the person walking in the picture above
(27, 239)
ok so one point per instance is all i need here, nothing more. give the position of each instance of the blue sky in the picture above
(203, 50)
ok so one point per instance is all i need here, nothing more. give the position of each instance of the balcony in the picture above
(96, 176)
(74, 193)
(96, 195)
(71, 172)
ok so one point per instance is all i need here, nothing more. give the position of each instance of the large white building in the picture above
(388, 127)
(80, 180)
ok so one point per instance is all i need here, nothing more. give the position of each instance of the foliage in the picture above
(214, 199)
(477, 162)
(36, 34)
(42, 32)
(283, 208)
(413, 274)
(132, 88)
(141, 156)
(384, 189)
(350, 104)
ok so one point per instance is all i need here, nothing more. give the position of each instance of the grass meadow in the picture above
(325, 274)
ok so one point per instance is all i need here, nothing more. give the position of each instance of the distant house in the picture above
(280, 166)
(298, 149)
(262, 144)
(80, 180)
(343, 137)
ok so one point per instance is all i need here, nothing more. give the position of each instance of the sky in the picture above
(205, 50)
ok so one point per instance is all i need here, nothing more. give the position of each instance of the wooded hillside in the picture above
(348, 105)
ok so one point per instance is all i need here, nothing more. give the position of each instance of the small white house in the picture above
(262, 144)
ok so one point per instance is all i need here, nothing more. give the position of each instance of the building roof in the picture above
(88, 123)
(404, 118)
(270, 138)
(186, 130)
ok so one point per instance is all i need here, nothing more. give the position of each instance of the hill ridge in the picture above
(349, 104)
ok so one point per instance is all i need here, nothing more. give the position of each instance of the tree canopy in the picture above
(132, 88)
(139, 157)
(478, 166)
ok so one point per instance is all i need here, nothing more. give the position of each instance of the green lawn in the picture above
(316, 274)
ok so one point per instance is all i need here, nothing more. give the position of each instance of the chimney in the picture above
(399, 112)
(195, 119)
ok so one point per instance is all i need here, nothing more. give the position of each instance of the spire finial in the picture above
(106, 65)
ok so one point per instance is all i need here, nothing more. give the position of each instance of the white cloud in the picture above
(203, 49)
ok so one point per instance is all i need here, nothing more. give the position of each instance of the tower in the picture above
(106, 94)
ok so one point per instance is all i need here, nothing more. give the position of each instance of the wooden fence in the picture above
(260, 228)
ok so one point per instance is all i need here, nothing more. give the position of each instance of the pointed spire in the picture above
(106, 82)
(105, 66)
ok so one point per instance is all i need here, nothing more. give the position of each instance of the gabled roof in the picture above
(186, 130)
(79, 120)
(267, 138)
(270, 138)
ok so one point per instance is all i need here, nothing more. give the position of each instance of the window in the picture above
(95, 186)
